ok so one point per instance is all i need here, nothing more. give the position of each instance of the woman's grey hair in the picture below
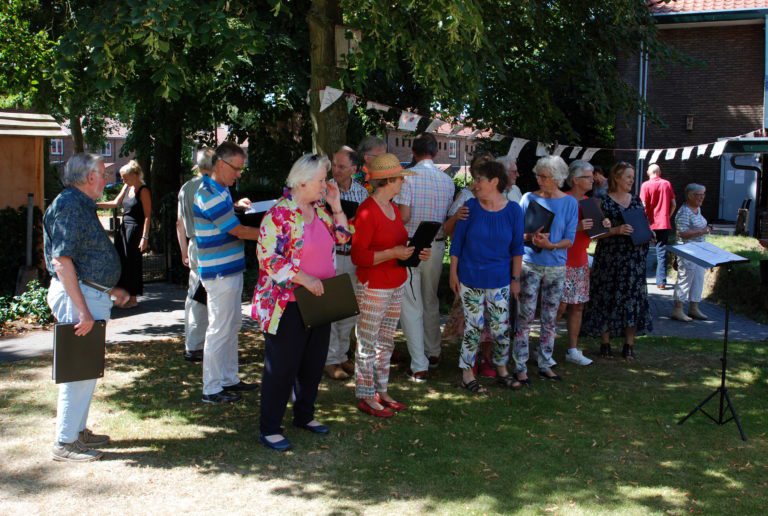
(692, 188)
(205, 159)
(577, 166)
(78, 167)
(305, 169)
(367, 144)
(507, 161)
(555, 166)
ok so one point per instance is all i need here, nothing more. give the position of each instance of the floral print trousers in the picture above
(479, 303)
(549, 282)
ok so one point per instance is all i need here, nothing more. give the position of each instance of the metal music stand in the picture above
(709, 256)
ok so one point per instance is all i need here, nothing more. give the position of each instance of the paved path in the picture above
(160, 315)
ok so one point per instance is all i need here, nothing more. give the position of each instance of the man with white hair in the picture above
(84, 268)
(195, 313)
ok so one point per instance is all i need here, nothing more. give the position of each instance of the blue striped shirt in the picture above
(219, 253)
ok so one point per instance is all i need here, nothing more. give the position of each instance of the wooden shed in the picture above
(22, 150)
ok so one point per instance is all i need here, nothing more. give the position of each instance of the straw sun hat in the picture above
(385, 166)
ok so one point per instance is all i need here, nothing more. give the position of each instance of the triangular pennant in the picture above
(378, 107)
(516, 146)
(575, 152)
(589, 153)
(408, 121)
(643, 153)
(328, 96)
(433, 126)
(497, 137)
(717, 148)
(541, 149)
(670, 154)
(655, 156)
(686, 153)
(559, 150)
(701, 150)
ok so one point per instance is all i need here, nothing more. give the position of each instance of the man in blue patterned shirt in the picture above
(84, 268)
(221, 262)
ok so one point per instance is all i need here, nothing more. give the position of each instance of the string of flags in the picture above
(409, 121)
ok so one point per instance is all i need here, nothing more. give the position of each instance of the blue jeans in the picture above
(662, 235)
(75, 397)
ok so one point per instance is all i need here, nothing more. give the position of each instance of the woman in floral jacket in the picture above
(295, 248)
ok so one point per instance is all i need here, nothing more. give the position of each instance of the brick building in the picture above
(61, 149)
(719, 94)
(455, 146)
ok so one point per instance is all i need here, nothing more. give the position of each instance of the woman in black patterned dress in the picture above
(618, 294)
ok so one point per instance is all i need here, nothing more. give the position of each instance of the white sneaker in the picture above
(575, 356)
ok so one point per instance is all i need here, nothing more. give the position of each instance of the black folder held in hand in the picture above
(641, 230)
(422, 238)
(590, 209)
(78, 358)
(537, 217)
(337, 302)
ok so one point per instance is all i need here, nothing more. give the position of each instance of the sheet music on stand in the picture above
(705, 254)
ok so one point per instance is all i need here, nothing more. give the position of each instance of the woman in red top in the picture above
(379, 241)
(576, 292)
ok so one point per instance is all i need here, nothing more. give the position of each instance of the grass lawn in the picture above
(603, 441)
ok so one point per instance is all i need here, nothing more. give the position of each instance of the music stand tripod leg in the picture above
(698, 407)
(735, 415)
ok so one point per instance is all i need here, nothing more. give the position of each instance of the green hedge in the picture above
(13, 242)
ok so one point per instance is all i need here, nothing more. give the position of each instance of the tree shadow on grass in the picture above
(605, 439)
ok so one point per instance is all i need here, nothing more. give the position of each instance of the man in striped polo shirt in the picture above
(221, 262)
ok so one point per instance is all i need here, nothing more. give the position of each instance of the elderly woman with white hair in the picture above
(512, 192)
(691, 227)
(544, 259)
(295, 248)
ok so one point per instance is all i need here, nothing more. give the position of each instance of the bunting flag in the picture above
(408, 121)
(717, 148)
(541, 149)
(702, 149)
(378, 107)
(589, 153)
(497, 137)
(559, 150)
(328, 96)
(516, 146)
(575, 152)
(686, 153)
(655, 156)
(643, 153)
(670, 154)
(434, 125)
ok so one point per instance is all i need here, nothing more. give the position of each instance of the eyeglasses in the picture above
(238, 169)
(542, 176)
(591, 178)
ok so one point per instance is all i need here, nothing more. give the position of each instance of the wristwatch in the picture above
(514, 278)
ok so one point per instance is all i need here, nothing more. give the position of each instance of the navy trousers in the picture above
(294, 361)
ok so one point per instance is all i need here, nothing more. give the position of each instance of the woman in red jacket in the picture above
(379, 241)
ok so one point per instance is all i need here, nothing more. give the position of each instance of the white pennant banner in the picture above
(559, 150)
(589, 153)
(408, 121)
(516, 146)
(643, 153)
(575, 152)
(686, 153)
(670, 154)
(655, 156)
(328, 96)
(717, 148)
(497, 137)
(541, 149)
(377, 106)
(701, 150)
(434, 125)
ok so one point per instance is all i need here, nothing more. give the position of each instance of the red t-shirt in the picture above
(375, 232)
(577, 253)
(657, 196)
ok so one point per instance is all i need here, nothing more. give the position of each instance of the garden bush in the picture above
(13, 236)
(31, 306)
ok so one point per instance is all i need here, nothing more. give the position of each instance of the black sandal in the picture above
(524, 383)
(605, 350)
(474, 387)
(628, 352)
(509, 381)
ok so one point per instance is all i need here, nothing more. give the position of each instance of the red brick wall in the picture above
(723, 91)
(399, 143)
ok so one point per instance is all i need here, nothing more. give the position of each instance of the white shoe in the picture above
(575, 356)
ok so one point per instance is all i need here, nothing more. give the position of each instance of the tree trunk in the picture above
(77, 132)
(329, 128)
(166, 173)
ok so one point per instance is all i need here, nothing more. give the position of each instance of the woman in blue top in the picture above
(544, 266)
(484, 248)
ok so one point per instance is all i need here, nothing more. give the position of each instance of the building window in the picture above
(397, 142)
(107, 149)
(452, 148)
(57, 146)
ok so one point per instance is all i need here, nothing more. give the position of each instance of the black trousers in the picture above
(294, 361)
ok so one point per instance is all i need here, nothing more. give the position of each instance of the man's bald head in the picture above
(654, 171)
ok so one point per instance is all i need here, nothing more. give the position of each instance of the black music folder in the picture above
(337, 302)
(200, 295)
(536, 217)
(349, 208)
(422, 238)
(78, 358)
(641, 230)
(590, 209)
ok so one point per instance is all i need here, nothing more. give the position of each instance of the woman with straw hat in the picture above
(379, 241)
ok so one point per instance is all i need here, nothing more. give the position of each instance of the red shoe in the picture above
(385, 412)
(487, 370)
(394, 405)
